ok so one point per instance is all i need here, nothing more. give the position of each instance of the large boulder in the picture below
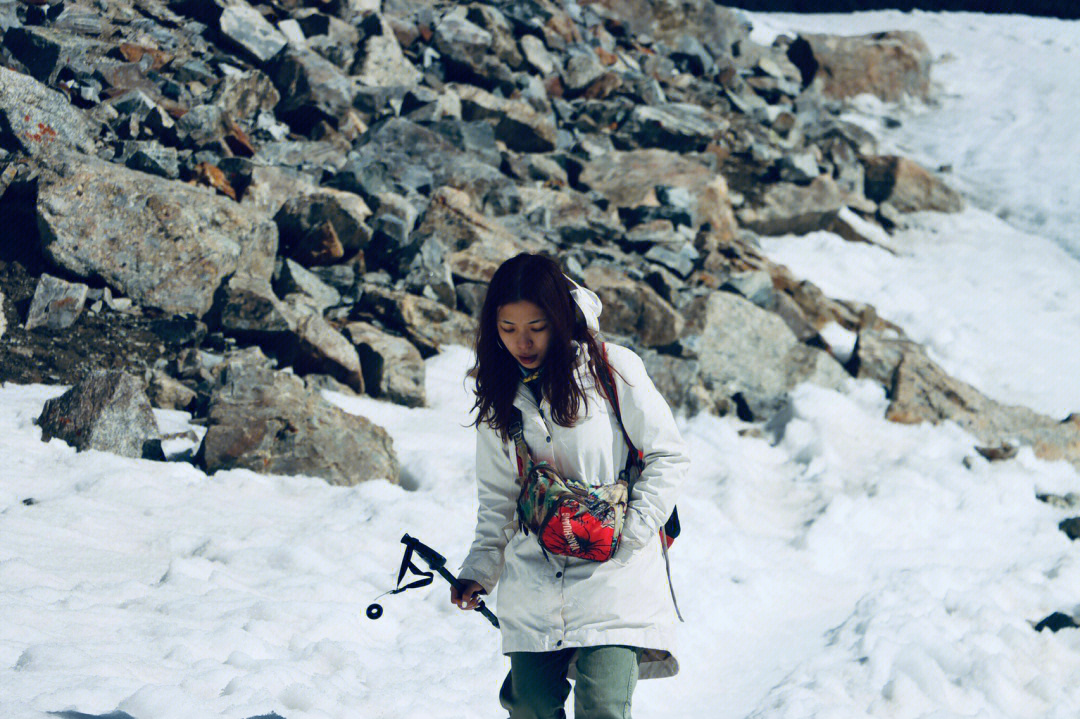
(749, 358)
(295, 333)
(269, 422)
(630, 179)
(323, 226)
(313, 89)
(247, 29)
(892, 65)
(516, 123)
(907, 186)
(108, 411)
(37, 119)
(632, 308)
(920, 391)
(166, 245)
(788, 208)
(426, 323)
(393, 367)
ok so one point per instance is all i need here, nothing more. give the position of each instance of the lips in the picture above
(527, 360)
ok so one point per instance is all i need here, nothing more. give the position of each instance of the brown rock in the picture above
(907, 186)
(920, 391)
(270, 422)
(891, 65)
(634, 308)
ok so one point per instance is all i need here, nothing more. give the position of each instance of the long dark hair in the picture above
(537, 279)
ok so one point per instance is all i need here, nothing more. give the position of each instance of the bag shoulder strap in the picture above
(517, 432)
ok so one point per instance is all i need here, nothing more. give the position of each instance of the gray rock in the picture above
(380, 62)
(249, 30)
(322, 349)
(679, 381)
(516, 123)
(750, 358)
(248, 307)
(295, 278)
(788, 208)
(628, 179)
(38, 120)
(202, 125)
(799, 168)
(581, 70)
(107, 411)
(9, 18)
(243, 95)
(690, 55)
(323, 226)
(313, 89)
(402, 157)
(331, 37)
(428, 273)
(680, 259)
(46, 51)
(57, 304)
(3, 316)
(537, 55)
(268, 188)
(134, 103)
(476, 138)
(164, 244)
(503, 44)
(155, 159)
(682, 127)
(167, 393)
(293, 333)
(754, 285)
(313, 157)
(269, 422)
(465, 48)
(392, 366)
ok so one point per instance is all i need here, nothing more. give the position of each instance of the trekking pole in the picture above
(437, 563)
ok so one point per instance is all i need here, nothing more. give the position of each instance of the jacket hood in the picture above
(589, 304)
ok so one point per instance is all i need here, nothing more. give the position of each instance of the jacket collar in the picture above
(524, 397)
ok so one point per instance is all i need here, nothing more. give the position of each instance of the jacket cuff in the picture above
(483, 569)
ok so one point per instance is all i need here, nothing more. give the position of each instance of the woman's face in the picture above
(525, 331)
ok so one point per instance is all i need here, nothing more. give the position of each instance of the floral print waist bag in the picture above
(568, 516)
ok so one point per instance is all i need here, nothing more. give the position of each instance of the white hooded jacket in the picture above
(547, 603)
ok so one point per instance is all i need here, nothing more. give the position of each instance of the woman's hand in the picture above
(469, 597)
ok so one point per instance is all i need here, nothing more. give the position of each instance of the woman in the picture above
(604, 624)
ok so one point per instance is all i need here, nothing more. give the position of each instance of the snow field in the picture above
(854, 567)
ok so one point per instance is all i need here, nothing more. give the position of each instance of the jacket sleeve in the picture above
(497, 503)
(649, 422)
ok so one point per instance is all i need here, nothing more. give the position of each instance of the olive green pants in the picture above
(537, 687)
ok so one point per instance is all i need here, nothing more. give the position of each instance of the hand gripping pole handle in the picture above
(437, 563)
